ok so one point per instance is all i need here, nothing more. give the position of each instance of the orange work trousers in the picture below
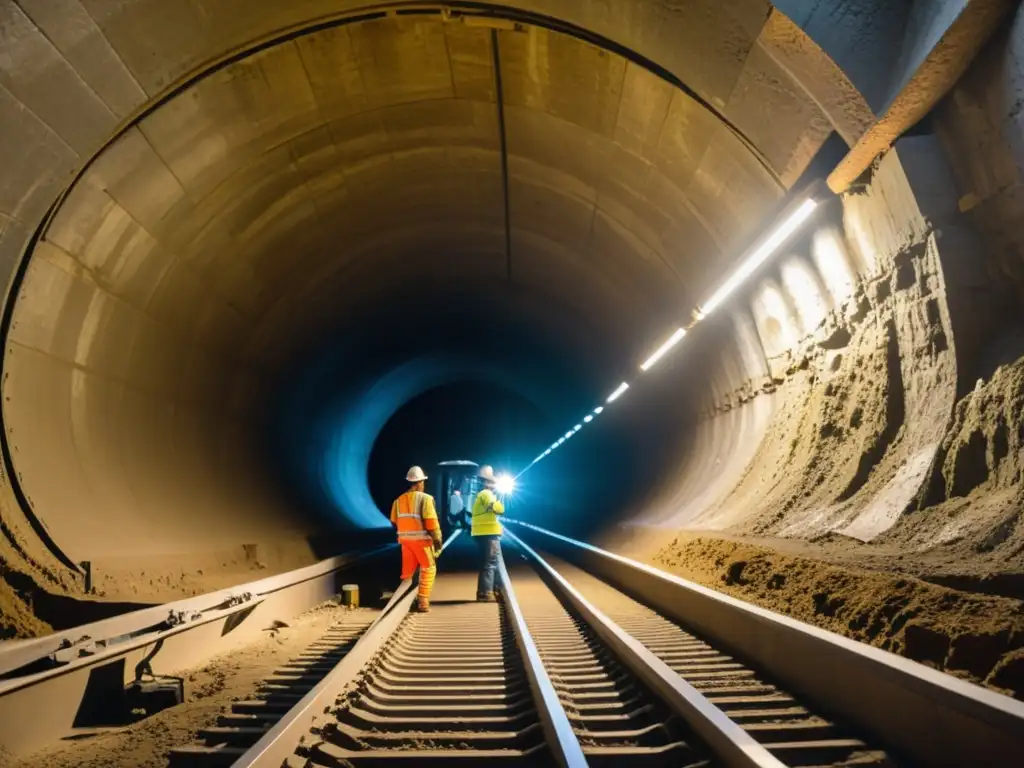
(420, 553)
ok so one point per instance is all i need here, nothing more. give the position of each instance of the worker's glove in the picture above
(437, 547)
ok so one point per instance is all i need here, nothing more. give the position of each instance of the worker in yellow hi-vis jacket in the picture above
(419, 533)
(487, 532)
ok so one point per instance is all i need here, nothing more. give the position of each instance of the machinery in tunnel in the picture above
(456, 475)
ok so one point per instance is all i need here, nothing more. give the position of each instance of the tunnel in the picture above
(261, 257)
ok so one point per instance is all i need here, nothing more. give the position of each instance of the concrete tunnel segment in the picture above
(184, 211)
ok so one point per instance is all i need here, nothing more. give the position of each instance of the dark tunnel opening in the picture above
(479, 422)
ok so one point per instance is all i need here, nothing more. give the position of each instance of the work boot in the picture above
(486, 597)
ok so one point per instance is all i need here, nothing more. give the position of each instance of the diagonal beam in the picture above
(934, 77)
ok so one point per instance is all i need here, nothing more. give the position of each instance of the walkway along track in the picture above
(787, 684)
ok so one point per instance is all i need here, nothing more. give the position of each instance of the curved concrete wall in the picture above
(199, 196)
(299, 187)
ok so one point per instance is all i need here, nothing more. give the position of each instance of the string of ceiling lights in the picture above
(760, 254)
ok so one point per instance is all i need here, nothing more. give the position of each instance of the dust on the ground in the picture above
(974, 636)
(36, 602)
(209, 691)
(16, 617)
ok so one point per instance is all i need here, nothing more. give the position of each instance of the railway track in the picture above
(591, 659)
(236, 731)
(787, 726)
(571, 670)
(449, 688)
(481, 683)
(617, 720)
(805, 695)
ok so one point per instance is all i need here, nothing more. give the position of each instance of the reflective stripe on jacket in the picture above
(414, 515)
(486, 509)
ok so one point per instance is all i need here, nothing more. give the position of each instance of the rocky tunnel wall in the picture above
(870, 385)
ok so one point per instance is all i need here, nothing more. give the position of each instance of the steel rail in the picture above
(19, 653)
(925, 715)
(42, 705)
(561, 738)
(279, 743)
(730, 743)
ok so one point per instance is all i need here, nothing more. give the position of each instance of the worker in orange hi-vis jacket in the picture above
(419, 533)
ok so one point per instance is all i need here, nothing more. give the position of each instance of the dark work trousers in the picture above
(490, 553)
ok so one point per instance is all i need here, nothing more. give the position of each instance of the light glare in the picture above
(746, 269)
(504, 484)
(617, 393)
(660, 352)
(758, 257)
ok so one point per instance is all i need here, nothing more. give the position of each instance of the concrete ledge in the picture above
(39, 708)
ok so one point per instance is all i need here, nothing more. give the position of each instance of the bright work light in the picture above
(760, 254)
(757, 258)
(617, 393)
(660, 351)
(504, 484)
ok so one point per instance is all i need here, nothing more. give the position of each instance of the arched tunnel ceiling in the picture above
(369, 141)
(322, 180)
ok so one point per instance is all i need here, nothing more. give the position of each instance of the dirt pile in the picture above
(977, 637)
(27, 572)
(984, 448)
(971, 529)
(16, 617)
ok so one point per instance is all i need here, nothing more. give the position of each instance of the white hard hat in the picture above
(415, 474)
(487, 472)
